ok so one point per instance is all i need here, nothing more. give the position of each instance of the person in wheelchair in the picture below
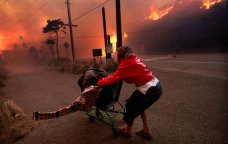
(148, 89)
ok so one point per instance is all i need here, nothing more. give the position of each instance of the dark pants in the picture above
(105, 98)
(138, 103)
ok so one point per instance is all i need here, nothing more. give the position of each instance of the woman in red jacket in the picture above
(149, 90)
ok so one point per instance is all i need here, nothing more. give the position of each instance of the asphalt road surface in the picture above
(192, 110)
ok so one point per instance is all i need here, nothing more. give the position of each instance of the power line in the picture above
(90, 10)
(91, 6)
(89, 36)
(28, 16)
(20, 13)
(130, 32)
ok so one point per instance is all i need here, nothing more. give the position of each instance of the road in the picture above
(192, 110)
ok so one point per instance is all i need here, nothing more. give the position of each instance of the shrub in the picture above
(82, 66)
(59, 62)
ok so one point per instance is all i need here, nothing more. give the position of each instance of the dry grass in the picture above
(83, 65)
(14, 123)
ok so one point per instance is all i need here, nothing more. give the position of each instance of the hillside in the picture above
(187, 28)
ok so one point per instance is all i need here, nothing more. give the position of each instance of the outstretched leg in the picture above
(82, 103)
(64, 111)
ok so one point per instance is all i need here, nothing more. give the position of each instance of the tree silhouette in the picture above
(66, 45)
(24, 44)
(51, 42)
(54, 27)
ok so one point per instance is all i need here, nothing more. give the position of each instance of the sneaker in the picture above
(124, 132)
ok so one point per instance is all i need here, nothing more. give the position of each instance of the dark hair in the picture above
(123, 52)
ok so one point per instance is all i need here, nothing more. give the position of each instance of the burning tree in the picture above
(54, 27)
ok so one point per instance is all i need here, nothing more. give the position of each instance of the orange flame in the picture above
(113, 40)
(1, 43)
(103, 52)
(157, 14)
(207, 4)
(125, 35)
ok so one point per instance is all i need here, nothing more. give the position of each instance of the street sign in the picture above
(109, 49)
(97, 52)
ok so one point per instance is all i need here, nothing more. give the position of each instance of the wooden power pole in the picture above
(105, 31)
(118, 25)
(70, 27)
(104, 26)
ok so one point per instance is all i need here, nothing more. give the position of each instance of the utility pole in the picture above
(104, 27)
(106, 38)
(118, 25)
(71, 32)
(118, 33)
(225, 43)
(108, 48)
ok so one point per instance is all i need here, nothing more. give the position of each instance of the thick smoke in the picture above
(26, 18)
(177, 30)
(187, 28)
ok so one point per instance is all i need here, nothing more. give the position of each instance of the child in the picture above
(149, 90)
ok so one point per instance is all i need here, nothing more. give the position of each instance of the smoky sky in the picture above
(22, 21)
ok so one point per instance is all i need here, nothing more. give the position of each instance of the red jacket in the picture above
(130, 69)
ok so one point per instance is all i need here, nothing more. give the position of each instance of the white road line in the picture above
(191, 72)
(193, 62)
(197, 62)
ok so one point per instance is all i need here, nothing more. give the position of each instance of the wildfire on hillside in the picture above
(207, 4)
(159, 13)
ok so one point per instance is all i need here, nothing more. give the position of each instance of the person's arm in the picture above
(110, 80)
(118, 75)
